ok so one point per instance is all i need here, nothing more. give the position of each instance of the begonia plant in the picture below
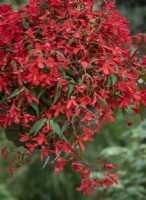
(65, 67)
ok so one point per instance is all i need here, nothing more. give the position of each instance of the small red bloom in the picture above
(81, 88)
(11, 171)
(40, 139)
(44, 152)
(80, 140)
(3, 148)
(60, 163)
(25, 137)
(31, 147)
(86, 186)
(109, 166)
(77, 166)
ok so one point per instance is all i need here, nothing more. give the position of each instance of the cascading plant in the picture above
(65, 67)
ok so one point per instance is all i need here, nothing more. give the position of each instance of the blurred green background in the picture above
(121, 145)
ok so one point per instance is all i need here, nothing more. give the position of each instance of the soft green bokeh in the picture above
(16, 3)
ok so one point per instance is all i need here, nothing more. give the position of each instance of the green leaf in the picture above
(10, 50)
(84, 33)
(34, 105)
(26, 25)
(99, 27)
(15, 93)
(71, 87)
(95, 7)
(133, 50)
(58, 92)
(57, 130)
(3, 99)
(46, 101)
(37, 126)
(14, 63)
(98, 74)
(30, 47)
(109, 82)
(93, 126)
(65, 126)
(113, 78)
(60, 53)
(62, 70)
(91, 67)
(58, 85)
(42, 92)
(83, 106)
(57, 95)
(87, 76)
(57, 119)
(45, 5)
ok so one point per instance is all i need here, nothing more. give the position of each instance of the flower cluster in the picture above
(65, 67)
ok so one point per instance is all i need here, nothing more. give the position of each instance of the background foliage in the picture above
(124, 146)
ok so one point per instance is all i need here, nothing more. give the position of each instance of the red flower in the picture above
(5, 8)
(109, 166)
(31, 147)
(40, 139)
(3, 148)
(60, 163)
(44, 152)
(25, 137)
(77, 166)
(86, 186)
(71, 103)
(11, 171)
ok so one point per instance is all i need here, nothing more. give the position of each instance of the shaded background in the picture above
(121, 145)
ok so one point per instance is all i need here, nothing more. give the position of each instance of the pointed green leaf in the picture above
(98, 74)
(26, 25)
(109, 82)
(30, 47)
(113, 78)
(95, 7)
(57, 130)
(14, 63)
(42, 92)
(62, 70)
(60, 53)
(57, 95)
(10, 50)
(65, 126)
(34, 105)
(87, 76)
(133, 50)
(3, 99)
(71, 87)
(37, 126)
(58, 92)
(15, 93)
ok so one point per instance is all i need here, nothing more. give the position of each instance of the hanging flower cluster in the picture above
(65, 66)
